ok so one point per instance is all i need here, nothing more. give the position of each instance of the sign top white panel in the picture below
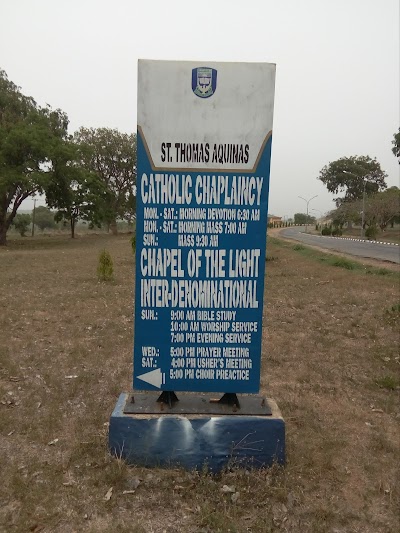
(200, 103)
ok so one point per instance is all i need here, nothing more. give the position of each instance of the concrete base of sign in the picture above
(194, 441)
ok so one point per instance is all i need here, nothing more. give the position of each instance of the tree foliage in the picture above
(348, 174)
(301, 218)
(43, 218)
(346, 213)
(75, 192)
(396, 145)
(381, 209)
(111, 155)
(29, 135)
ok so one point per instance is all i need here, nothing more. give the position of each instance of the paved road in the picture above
(383, 252)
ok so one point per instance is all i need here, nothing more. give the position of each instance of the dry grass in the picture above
(330, 360)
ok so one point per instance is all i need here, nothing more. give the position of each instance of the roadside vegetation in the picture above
(330, 360)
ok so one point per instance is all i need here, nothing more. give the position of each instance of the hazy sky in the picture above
(337, 85)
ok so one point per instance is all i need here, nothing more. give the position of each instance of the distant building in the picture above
(274, 219)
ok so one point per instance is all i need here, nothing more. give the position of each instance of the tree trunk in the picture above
(3, 222)
(3, 233)
(113, 227)
(73, 221)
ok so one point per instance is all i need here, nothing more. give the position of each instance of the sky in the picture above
(337, 85)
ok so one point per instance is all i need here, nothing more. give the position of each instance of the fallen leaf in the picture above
(52, 442)
(71, 377)
(128, 492)
(107, 497)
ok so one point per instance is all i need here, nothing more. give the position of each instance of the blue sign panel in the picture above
(200, 262)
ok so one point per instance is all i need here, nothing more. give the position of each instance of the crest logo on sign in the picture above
(204, 81)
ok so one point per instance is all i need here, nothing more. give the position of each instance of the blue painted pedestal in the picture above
(197, 440)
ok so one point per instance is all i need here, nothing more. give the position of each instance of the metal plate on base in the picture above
(196, 404)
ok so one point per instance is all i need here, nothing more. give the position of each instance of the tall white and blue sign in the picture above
(204, 146)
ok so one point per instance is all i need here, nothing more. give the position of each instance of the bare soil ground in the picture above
(330, 360)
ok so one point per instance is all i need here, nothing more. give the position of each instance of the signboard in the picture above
(204, 143)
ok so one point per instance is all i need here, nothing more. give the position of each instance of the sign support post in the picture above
(204, 146)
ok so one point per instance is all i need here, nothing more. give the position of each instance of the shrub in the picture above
(326, 231)
(371, 233)
(133, 242)
(337, 232)
(105, 268)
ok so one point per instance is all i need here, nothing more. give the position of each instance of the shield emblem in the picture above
(204, 81)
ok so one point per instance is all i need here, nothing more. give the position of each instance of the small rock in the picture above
(108, 495)
(134, 483)
(235, 497)
(226, 488)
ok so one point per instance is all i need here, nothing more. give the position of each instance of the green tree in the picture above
(111, 155)
(349, 174)
(29, 135)
(396, 145)
(43, 217)
(301, 218)
(75, 192)
(21, 223)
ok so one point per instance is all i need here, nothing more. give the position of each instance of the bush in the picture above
(133, 242)
(105, 268)
(371, 233)
(337, 232)
(326, 231)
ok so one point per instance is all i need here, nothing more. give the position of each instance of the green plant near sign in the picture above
(105, 268)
